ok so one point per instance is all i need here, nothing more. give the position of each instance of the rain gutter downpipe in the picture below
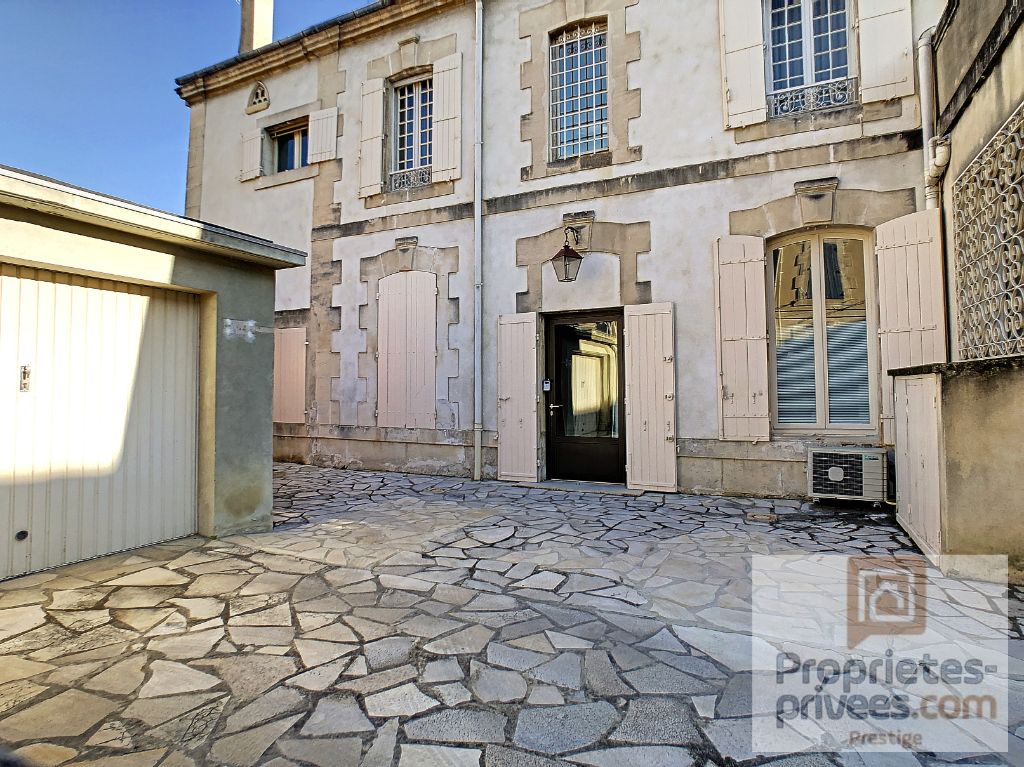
(935, 149)
(478, 237)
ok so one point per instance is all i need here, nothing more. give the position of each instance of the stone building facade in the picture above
(723, 179)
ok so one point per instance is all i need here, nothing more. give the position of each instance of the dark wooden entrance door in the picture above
(586, 427)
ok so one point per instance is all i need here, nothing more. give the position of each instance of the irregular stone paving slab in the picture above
(138, 759)
(382, 750)
(274, 704)
(557, 729)
(648, 756)
(19, 620)
(438, 756)
(170, 678)
(337, 716)
(67, 714)
(657, 720)
(12, 668)
(406, 700)
(245, 748)
(458, 727)
(491, 685)
(46, 754)
(334, 752)
(466, 642)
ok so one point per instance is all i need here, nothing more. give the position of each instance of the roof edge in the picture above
(28, 191)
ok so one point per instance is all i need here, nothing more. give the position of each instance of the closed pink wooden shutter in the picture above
(650, 398)
(911, 303)
(421, 330)
(741, 298)
(517, 397)
(290, 375)
(407, 350)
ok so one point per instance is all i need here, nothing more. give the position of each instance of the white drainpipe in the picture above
(936, 150)
(478, 237)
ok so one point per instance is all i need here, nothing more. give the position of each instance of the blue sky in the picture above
(87, 86)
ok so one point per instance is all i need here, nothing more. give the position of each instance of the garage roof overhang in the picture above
(29, 191)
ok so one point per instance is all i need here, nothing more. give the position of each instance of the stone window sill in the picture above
(820, 120)
(436, 189)
(287, 177)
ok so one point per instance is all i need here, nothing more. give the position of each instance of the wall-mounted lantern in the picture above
(567, 261)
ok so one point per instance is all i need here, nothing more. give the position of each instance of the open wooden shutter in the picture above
(290, 375)
(741, 298)
(886, 49)
(407, 350)
(911, 303)
(421, 331)
(743, 82)
(650, 398)
(517, 397)
(447, 158)
(371, 138)
(323, 135)
(252, 155)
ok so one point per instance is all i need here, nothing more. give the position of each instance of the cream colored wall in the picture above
(684, 221)
(283, 213)
(455, 377)
(353, 59)
(679, 76)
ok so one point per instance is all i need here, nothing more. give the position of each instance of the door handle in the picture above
(551, 408)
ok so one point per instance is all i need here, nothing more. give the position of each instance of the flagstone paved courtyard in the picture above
(422, 622)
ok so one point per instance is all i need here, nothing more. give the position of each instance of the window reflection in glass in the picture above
(846, 332)
(795, 364)
(589, 382)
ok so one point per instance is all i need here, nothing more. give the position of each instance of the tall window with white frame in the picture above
(808, 56)
(823, 369)
(413, 132)
(579, 91)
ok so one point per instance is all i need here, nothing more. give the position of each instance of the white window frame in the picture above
(839, 87)
(871, 429)
(296, 128)
(417, 174)
(557, 147)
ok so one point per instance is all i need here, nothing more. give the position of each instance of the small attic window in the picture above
(259, 99)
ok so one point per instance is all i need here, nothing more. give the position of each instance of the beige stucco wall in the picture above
(679, 129)
(282, 214)
(235, 443)
(982, 424)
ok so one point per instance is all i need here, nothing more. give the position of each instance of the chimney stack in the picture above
(257, 24)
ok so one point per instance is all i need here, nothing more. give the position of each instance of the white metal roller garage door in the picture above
(98, 393)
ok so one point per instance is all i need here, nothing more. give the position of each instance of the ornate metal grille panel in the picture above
(988, 241)
(811, 98)
(409, 179)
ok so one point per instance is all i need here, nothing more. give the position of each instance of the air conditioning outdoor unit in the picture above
(849, 473)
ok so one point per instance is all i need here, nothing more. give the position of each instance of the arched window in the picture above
(821, 325)
(259, 99)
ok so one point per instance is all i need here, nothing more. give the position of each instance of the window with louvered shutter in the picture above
(823, 362)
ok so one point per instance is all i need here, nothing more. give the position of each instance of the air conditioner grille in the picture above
(852, 466)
